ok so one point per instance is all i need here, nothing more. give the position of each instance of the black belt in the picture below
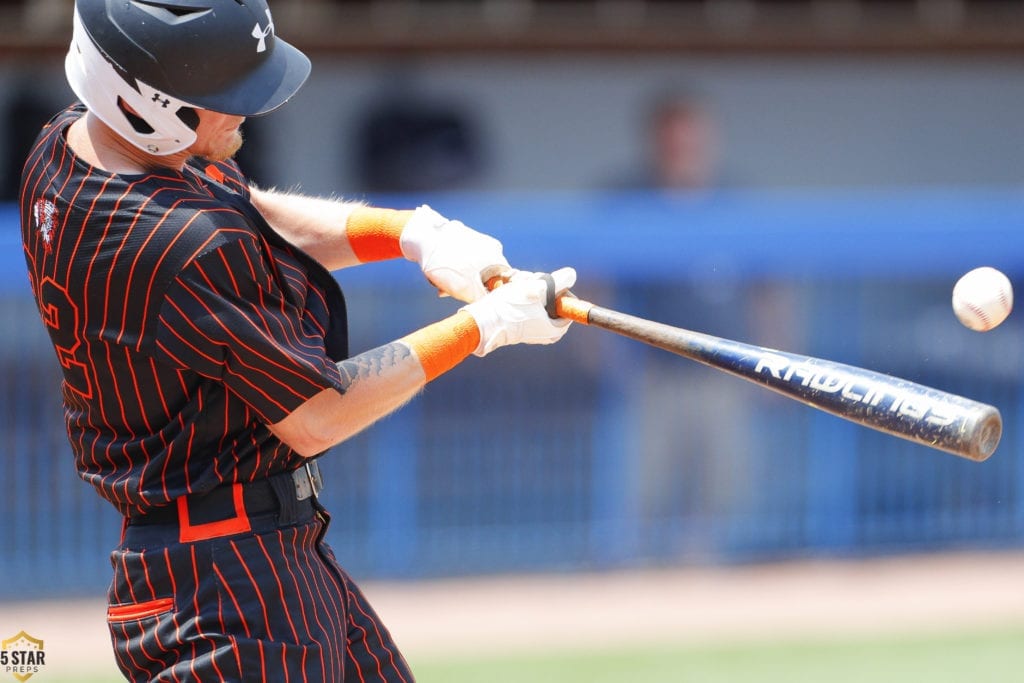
(281, 499)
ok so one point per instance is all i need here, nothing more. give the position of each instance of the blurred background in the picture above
(810, 175)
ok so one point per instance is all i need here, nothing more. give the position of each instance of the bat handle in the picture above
(570, 307)
(492, 283)
(566, 305)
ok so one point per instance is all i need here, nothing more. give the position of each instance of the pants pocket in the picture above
(139, 610)
(144, 638)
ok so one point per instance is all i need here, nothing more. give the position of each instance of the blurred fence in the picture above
(600, 452)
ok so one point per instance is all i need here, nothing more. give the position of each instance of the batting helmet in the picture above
(144, 66)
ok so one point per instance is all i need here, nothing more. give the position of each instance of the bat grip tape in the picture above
(551, 300)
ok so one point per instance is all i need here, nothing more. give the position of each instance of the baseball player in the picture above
(204, 348)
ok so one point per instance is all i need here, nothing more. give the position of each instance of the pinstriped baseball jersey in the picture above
(182, 322)
(184, 325)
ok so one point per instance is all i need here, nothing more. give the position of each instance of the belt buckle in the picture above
(308, 482)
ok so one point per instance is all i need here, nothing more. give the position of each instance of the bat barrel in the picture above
(928, 416)
(982, 433)
(888, 404)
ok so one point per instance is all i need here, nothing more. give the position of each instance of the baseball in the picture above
(982, 298)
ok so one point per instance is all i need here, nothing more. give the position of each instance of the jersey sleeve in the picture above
(225, 317)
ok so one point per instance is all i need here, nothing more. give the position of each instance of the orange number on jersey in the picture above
(60, 314)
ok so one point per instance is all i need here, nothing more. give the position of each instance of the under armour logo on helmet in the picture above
(260, 34)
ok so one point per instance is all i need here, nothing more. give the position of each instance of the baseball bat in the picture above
(895, 406)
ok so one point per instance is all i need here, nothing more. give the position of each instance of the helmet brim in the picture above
(264, 89)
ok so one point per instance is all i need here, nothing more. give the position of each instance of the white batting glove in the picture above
(515, 313)
(452, 256)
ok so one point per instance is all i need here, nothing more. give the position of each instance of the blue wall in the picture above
(600, 452)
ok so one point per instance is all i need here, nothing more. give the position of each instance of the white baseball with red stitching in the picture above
(982, 298)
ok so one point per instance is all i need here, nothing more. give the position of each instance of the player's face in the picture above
(218, 136)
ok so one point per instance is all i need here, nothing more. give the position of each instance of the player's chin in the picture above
(224, 149)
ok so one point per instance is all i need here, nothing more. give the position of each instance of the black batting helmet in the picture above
(164, 57)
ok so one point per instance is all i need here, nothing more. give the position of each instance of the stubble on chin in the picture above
(224, 151)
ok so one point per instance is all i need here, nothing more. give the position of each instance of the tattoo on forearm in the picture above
(372, 362)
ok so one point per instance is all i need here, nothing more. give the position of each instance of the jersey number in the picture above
(60, 314)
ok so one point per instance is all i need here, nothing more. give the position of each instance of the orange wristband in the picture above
(442, 345)
(374, 233)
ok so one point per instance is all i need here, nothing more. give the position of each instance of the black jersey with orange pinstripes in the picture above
(183, 323)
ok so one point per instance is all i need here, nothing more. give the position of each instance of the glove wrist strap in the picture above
(421, 233)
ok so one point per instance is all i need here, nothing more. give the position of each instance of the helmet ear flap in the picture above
(189, 116)
(136, 121)
(151, 120)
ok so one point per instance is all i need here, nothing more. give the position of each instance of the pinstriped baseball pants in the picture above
(272, 605)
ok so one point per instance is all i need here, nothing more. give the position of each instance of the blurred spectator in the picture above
(25, 111)
(684, 144)
(693, 463)
(412, 144)
(680, 146)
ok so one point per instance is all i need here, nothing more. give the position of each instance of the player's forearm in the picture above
(337, 233)
(453, 257)
(377, 383)
(315, 225)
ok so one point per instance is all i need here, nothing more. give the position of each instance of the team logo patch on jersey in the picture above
(260, 34)
(45, 215)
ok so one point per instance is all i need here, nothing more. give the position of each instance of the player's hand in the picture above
(452, 256)
(516, 312)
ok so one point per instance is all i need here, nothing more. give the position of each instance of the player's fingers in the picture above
(558, 283)
(564, 279)
(494, 275)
